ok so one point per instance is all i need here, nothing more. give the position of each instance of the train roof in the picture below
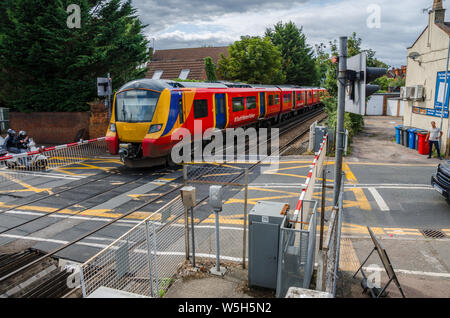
(156, 85)
(160, 85)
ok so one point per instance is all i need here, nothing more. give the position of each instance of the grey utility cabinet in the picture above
(319, 133)
(265, 220)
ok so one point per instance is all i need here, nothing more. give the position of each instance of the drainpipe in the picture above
(445, 95)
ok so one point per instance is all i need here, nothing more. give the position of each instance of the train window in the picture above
(286, 99)
(270, 100)
(277, 99)
(180, 110)
(251, 102)
(238, 104)
(136, 106)
(299, 97)
(290, 97)
(200, 108)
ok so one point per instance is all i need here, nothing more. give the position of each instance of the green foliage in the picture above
(253, 60)
(45, 66)
(298, 60)
(185, 80)
(384, 82)
(210, 69)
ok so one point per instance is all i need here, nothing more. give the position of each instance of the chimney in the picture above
(438, 11)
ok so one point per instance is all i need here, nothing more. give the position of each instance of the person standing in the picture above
(433, 136)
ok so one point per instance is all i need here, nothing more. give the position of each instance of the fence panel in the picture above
(296, 255)
(17, 170)
(143, 260)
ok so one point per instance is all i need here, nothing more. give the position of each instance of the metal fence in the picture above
(297, 253)
(143, 260)
(232, 219)
(328, 256)
(16, 170)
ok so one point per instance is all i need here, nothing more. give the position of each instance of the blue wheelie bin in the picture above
(398, 134)
(412, 137)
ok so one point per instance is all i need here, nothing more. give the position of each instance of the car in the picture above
(440, 180)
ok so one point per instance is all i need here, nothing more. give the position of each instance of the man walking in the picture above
(433, 136)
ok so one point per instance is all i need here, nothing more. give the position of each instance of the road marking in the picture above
(360, 196)
(409, 272)
(348, 260)
(378, 199)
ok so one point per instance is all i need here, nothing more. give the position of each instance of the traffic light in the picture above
(358, 79)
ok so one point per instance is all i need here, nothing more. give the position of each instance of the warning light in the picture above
(335, 59)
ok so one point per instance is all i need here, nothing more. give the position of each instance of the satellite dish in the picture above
(414, 55)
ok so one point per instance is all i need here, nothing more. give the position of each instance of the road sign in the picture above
(359, 88)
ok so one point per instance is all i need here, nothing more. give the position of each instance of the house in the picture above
(426, 67)
(185, 63)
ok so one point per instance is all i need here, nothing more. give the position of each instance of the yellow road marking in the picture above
(361, 198)
(27, 186)
(348, 260)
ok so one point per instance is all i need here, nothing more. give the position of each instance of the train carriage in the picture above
(148, 113)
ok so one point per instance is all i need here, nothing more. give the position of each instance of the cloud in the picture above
(193, 23)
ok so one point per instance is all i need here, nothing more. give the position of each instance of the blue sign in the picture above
(441, 92)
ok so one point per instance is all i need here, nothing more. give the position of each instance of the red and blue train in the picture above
(147, 112)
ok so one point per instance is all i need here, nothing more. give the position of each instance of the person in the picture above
(10, 142)
(22, 141)
(433, 136)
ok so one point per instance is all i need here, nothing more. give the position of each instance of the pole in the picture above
(217, 243)
(149, 257)
(186, 233)
(244, 250)
(193, 239)
(109, 95)
(340, 132)
(445, 95)
(322, 209)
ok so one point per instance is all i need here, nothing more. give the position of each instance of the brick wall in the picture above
(61, 128)
(50, 128)
(98, 120)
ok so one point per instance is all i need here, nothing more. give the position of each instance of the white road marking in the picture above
(381, 203)
(409, 272)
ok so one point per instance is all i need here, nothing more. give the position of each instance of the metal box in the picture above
(188, 197)
(265, 220)
(319, 133)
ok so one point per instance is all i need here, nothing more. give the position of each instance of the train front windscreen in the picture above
(136, 106)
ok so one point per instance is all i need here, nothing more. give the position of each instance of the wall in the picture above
(433, 47)
(50, 128)
(62, 128)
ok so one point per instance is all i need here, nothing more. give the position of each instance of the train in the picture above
(147, 112)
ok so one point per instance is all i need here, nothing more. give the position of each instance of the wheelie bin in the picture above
(405, 136)
(424, 148)
(398, 134)
(412, 138)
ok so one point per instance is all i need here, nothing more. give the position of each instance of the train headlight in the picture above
(112, 128)
(155, 128)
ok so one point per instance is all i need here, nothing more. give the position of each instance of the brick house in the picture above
(185, 63)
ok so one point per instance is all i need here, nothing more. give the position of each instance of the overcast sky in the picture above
(194, 23)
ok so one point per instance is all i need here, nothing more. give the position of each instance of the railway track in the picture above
(32, 264)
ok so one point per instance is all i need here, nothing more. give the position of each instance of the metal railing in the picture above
(144, 259)
(18, 170)
(297, 253)
(232, 219)
(328, 256)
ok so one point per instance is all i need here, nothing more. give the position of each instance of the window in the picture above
(299, 96)
(277, 99)
(180, 110)
(290, 97)
(135, 106)
(184, 74)
(200, 108)
(157, 74)
(286, 98)
(251, 102)
(238, 104)
(270, 100)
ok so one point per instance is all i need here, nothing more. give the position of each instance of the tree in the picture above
(210, 69)
(253, 60)
(47, 66)
(298, 56)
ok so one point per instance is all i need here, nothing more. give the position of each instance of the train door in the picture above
(262, 105)
(221, 116)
